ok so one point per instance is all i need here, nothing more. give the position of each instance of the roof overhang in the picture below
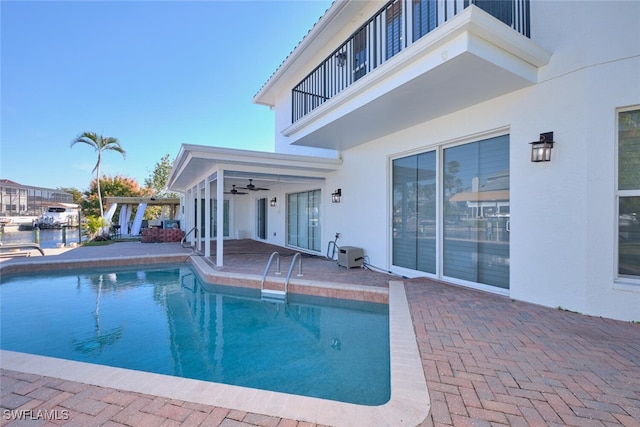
(196, 163)
(339, 15)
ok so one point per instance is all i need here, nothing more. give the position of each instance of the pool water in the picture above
(166, 320)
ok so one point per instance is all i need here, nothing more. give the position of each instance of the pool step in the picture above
(273, 295)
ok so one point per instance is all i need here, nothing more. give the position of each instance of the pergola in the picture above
(127, 204)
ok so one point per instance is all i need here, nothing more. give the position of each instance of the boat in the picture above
(58, 216)
(14, 223)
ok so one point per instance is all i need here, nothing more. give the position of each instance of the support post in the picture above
(207, 215)
(220, 218)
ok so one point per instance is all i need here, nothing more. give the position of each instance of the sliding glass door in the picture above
(213, 232)
(303, 220)
(414, 212)
(476, 212)
(261, 218)
(454, 221)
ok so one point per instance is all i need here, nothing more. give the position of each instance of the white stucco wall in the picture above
(562, 213)
(563, 224)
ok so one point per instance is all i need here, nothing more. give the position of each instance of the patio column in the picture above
(220, 218)
(207, 216)
(198, 203)
(187, 216)
(191, 200)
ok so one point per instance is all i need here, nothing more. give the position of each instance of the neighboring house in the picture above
(420, 115)
(20, 200)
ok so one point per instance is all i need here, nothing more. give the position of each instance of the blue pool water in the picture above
(166, 320)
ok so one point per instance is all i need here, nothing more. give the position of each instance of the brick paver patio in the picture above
(488, 360)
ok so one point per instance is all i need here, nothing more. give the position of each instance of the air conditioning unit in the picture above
(350, 256)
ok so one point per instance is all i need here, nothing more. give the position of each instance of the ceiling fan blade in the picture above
(252, 187)
(234, 191)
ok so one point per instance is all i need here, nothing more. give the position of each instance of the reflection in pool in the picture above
(166, 320)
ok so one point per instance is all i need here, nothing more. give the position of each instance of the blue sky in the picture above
(154, 74)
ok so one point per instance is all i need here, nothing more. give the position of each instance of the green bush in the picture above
(95, 226)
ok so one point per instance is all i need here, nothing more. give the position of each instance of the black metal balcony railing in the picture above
(397, 25)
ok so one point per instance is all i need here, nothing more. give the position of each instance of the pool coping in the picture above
(409, 403)
(208, 273)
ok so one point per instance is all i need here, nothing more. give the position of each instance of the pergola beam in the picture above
(138, 200)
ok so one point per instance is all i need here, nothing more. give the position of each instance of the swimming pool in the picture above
(166, 320)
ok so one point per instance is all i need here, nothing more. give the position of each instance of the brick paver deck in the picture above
(488, 360)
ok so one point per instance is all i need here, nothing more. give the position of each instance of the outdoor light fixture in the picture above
(336, 195)
(541, 150)
(272, 202)
(341, 57)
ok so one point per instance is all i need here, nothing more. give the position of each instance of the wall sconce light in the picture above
(541, 150)
(341, 57)
(336, 195)
(273, 202)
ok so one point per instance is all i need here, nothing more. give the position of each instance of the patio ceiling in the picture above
(196, 163)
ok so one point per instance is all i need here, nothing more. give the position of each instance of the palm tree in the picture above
(100, 144)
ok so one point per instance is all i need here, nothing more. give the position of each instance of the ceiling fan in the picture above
(253, 187)
(234, 191)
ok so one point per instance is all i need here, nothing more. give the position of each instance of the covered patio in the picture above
(243, 193)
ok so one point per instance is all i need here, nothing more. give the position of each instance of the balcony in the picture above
(414, 60)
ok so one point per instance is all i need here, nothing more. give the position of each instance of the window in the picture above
(394, 28)
(360, 54)
(502, 10)
(303, 220)
(628, 193)
(424, 17)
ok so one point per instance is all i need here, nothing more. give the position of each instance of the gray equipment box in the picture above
(350, 256)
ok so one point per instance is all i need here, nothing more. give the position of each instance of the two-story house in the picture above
(488, 144)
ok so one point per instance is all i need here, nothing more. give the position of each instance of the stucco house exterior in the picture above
(406, 127)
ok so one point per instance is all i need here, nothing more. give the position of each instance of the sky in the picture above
(153, 74)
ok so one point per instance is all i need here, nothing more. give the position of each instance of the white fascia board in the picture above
(267, 94)
(179, 164)
(231, 156)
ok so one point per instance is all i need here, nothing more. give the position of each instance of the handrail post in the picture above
(184, 238)
(293, 263)
(266, 270)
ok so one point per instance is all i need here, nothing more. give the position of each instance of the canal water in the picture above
(48, 238)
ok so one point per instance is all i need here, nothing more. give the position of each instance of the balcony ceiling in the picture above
(471, 59)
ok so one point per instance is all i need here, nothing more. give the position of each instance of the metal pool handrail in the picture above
(293, 261)
(184, 239)
(266, 270)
